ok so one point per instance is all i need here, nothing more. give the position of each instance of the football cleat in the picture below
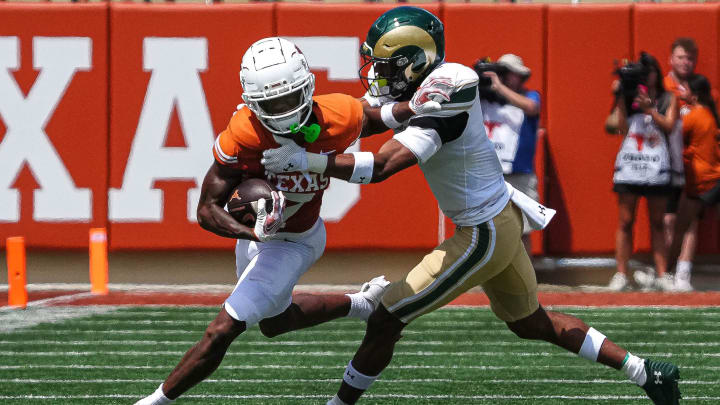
(662, 382)
(374, 289)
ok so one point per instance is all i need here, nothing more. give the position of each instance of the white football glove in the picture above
(287, 158)
(429, 98)
(292, 158)
(266, 225)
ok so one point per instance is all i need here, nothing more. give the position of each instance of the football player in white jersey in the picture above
(405, 47)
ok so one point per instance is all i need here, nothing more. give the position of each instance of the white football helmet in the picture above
(277, 84)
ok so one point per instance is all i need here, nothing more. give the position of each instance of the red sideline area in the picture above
(470, 299)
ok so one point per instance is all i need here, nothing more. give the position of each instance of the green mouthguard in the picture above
(310, 133)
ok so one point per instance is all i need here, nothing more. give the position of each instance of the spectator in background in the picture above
(511, 114)
(645, 115)
(701, 158)
(683, 59)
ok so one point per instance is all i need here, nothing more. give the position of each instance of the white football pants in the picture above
(268, 271)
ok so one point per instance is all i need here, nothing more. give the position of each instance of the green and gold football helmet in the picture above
(402, 47)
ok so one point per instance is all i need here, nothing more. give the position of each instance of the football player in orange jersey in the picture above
(270, 258)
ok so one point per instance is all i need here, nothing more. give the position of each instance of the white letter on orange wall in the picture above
(57, 199)
(175, 64)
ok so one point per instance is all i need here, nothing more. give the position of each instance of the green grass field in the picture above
(452, 356)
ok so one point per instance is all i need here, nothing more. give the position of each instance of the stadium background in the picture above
(71, 347)
(133, 129)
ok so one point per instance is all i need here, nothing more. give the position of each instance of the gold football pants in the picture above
(490, 255)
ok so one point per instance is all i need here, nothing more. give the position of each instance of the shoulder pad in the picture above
(465, 87)
(462, 76)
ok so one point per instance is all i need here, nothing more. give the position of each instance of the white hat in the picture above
(514, 63)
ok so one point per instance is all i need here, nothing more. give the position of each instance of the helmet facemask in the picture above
(392, 76)
(283, 106)
(277, 85)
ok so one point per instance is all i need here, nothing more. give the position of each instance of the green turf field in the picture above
(453, 356)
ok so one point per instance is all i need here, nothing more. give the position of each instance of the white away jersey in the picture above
(502, 125)
(454, 153)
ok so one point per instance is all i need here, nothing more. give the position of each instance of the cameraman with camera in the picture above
(645, 114)
(511, 114)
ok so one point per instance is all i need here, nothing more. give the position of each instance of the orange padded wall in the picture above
(75, 121)
(582, 43)
(491, 30)
(96, 133)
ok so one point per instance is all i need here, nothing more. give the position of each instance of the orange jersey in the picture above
(676, 88)
(702, 153)
(671, 84)
(241, 145)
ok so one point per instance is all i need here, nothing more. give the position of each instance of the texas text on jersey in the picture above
(241, 145)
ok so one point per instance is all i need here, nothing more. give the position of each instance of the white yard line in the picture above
(371, 396)
(316, 367)
(177, 288)
(434, 324)
(329, 353)
(260, 381)
(448, 313)
(37, 314)
(355, 343)
(336, 332)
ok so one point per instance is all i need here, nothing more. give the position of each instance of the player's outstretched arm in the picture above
(211, 214)
(356, 167)
(373, 122)
(427, 99)
(367, 167)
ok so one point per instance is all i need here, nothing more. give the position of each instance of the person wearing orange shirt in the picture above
(683, 59)
(279, 109)
(701, 158)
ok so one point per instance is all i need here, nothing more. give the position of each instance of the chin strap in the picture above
(310, 132)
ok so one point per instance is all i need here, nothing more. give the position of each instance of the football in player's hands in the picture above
(242, 203)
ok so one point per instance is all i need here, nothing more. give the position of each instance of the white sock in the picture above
(335, 401)
(360, 307)
(683, 268)
(634, 368)
(156, 398)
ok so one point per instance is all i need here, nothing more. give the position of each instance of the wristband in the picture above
(317, 162)
(363, 169)
(387, 116)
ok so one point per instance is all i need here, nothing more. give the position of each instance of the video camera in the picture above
(481, 66)
(632, 74)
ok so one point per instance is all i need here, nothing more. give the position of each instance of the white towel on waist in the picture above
(538, 215)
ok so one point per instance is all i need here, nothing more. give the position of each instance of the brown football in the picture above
(242, 203)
